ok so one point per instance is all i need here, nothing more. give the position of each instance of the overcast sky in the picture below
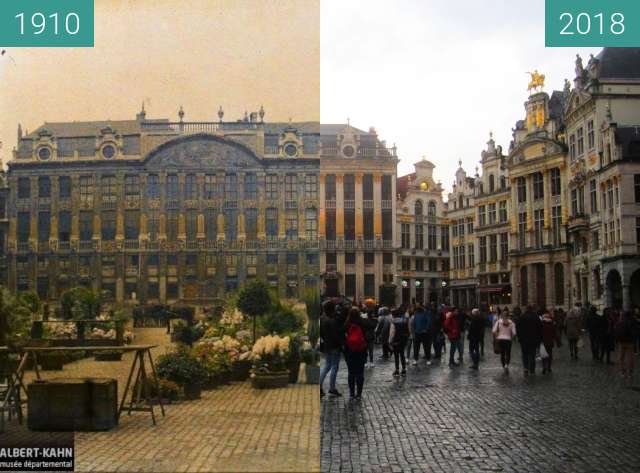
(435, 76)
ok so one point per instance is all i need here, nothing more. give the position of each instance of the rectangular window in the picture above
(504, 246)
(492, 214)
(311, 186)
(405, 263)
(311, 224)
(108, 221)
(191, 224)
(369, 285)
(211, 224)
(538, 186)
(445, 238)
(250, 186)
(153, 224)
(556, 224)
(349, 224)
(172, 225)
(593, 196)
(24, 188)
(173, 187)
(472, 259)
(572, 146)
(538, 226)
(522, 230)
(419, 236)
(386, 188)
(251, 223)
(591, 138)
(574, 202)
(108, 187)
(64, 187)
(521, 188)
(580, 141)
(131, 224)
(230, 187)
(64, 225)
(419, 264)
(44, 226)
(595, 239)
(503, 211)
(153, 187)
(230, 224)
(463, 263)
(432, 237)
(271, 187)
(469, 226)
(555, 182)
(349, 186)
(44, 187)
(454, 228)
(132, 185)
(405, 235)
(493, 248)
(191, 187)
(482, 216)
(483, 249)
(291, 224)
(367, 187)
(85, 221)
(86, 189)
(210, 187)
(271, 222)
(461, 227)
(290, 188)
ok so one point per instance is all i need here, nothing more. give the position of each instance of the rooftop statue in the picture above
(537, 81)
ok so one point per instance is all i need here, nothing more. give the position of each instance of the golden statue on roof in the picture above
(537, 81)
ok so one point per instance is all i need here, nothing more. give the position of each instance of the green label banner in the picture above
(592, 23)
(46, 23)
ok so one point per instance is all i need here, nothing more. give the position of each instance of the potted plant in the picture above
(311, 358)
(269, 356)
(184, 369)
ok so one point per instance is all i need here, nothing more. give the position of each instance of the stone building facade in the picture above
(158, 211)
(422, 237)
(357, 214)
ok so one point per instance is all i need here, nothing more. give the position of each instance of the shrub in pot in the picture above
(311, 358)
(184, 369)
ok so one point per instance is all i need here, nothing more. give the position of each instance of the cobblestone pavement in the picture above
(581, 418)
(232, 428)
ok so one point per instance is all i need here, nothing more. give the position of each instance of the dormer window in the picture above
(290, 150)
(108, 151)
(44, 153)
(348, 151)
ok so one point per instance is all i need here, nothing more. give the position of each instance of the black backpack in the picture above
(402, 331)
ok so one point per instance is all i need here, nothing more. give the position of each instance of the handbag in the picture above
(543, 352)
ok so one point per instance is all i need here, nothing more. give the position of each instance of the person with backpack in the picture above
(422, 328)
(398, 336)
(504, 332)
(331, 338)
(355, 352)
(452, 329)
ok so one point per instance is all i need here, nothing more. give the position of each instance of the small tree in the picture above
(15, 319)
(31, 301)
(254, 300)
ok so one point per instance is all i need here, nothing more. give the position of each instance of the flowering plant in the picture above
(67, 330)
(270, 353)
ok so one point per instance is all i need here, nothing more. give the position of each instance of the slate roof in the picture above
(77, 129)
(619, 63)
(629, 138)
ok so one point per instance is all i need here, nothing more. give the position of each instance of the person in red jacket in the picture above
(548, 339)
(452, 329)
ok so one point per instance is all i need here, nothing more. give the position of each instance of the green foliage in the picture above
(30, 300)
(281, 320)
(310, 356)
(15, 319)
(182, 368)
(80, 303)
(314, 310)
(254, 299)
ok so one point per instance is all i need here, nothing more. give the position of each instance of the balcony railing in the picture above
(196, 127)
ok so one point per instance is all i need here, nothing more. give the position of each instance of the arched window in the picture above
(418, 207)
(480, 188)
(559, 283)
(431, 209)
(492, 183)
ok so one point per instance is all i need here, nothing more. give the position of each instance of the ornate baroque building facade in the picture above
(422, 237)
(161, 211)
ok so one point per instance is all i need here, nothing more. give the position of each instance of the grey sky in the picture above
(435, 76)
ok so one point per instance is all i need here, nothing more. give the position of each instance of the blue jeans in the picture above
(331, 363)
(453, 346)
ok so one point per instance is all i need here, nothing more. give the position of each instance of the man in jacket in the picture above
(332, 339)
(452, 329)
(476, 333)
(422, 333)
(529, 330)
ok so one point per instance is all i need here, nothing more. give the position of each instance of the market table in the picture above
(140, 399)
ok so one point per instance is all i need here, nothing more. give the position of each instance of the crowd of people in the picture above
(353, 331)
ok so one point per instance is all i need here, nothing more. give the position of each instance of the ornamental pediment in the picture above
(201, 152)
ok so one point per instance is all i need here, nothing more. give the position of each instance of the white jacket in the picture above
(504, 331)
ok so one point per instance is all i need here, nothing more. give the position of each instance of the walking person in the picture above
(548, 340)
(529, 329)
(355, 352)
(593, 327)
(573, 331)
(421, 327)
(382, 330)
(476, 333)
(370, 336)
(606, 327)
(463, 320)
(411, 339)
(436, 331)
(504, 331)
(398, 336)
(624, 332)
(559, 317)
(452, 329)
(331, 339)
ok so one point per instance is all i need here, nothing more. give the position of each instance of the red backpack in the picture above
(355, 339)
